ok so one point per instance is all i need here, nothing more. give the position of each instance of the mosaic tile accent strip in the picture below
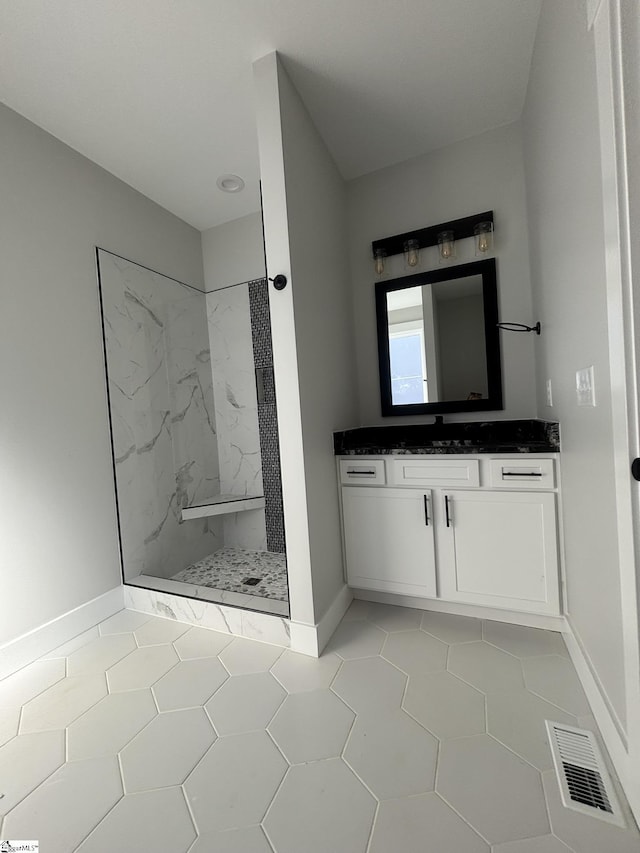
(229, 568)
(267, 415)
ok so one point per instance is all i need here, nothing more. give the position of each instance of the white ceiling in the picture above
(159, 92)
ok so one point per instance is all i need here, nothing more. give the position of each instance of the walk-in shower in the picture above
(194, 436)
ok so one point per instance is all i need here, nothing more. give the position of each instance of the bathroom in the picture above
(65, 550)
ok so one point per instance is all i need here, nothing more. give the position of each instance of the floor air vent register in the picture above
(585, 784)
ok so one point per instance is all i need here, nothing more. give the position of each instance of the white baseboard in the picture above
(332, 618)
(610, 727)
(311, 639)
(29, 647)
(304, 639)
(515, 617)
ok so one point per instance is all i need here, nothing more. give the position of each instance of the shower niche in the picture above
(194, 437)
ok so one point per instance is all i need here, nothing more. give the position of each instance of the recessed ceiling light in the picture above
(230, 183)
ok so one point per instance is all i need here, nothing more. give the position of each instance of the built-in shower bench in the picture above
(222, 505)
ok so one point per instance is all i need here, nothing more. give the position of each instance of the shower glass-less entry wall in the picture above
(194, 435)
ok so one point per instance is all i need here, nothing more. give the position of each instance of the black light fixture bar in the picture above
(429, 236)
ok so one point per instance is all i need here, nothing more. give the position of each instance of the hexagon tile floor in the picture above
(414, 732)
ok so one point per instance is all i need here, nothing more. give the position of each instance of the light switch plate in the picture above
(585, 387)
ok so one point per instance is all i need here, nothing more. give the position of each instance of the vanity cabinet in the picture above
(459, 529)
(499, 549)
(389, 539)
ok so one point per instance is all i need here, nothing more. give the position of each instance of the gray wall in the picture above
(463, 355)
(483, 173)
(59, 545)
(233, 252)
(562, 157)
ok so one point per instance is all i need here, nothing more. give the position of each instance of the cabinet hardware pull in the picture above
(361, 473)
(446, 509)
(426, 510)
(522, 474)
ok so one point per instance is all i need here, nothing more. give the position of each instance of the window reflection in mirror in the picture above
(441, 349)
(407, 356)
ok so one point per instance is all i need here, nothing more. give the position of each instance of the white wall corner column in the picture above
(285, 355)
(304, 209)
(616, 29)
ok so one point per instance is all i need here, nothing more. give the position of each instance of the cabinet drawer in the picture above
(515, 473)
(367, 471)
(438, 471)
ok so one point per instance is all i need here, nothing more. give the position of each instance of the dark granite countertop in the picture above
(523, 436)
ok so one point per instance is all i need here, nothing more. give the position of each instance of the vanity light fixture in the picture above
(444, 236)
(446, 245)
(412, 253)
(483, 238)
(519, 327)
(230, 183)
(378, 261)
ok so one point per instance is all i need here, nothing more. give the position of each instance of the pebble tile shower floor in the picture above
(413, 732)
(230, 568)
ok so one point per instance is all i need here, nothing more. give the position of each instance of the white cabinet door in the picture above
(388, 536)
(500, 549)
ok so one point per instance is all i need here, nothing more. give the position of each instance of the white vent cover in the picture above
(585, 784)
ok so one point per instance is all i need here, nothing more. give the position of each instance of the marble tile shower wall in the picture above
(236, 411)
(162, 414)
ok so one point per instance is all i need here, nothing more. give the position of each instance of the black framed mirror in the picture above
(438, 341)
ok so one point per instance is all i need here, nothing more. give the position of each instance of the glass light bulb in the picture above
(378, 263)
(446, 244)
(483, 232)
(412, 253)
